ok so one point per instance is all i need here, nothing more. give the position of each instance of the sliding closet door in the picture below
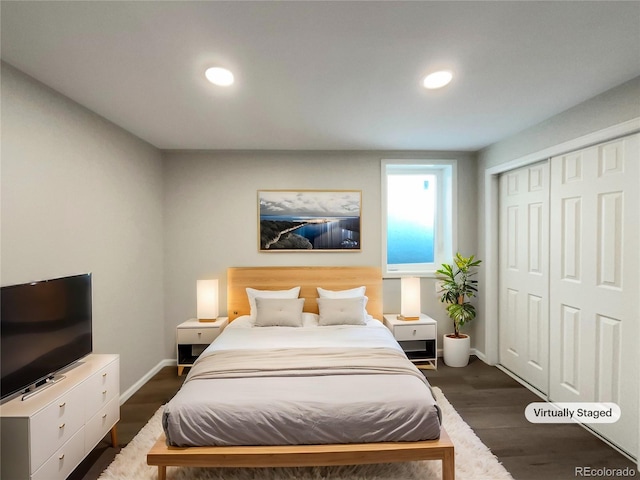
(594, 307)
(524, 274)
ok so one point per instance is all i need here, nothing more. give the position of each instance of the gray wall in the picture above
(211, 217)
(610, 108)
(80, 194)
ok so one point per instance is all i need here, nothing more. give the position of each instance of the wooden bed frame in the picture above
(308, 278)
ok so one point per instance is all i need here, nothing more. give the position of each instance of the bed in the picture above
(271, 411)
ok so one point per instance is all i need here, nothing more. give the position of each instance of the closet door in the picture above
(594, 307)
(524, 274)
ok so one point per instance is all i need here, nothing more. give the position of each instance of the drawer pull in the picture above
(104, 392)
(61, 457)
(61, 426)
(415, 331)
(104, 416)
(104, 374)
(62, 404)
(199, 334)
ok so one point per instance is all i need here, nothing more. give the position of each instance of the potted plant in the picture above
(457, 287)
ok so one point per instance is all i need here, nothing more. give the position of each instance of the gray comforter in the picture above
(302, 396)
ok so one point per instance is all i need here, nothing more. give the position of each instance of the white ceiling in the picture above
(324, 75)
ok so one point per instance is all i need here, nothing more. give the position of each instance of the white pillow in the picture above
(342, 311)
(252, 293)
(352, 292)
(279, 312)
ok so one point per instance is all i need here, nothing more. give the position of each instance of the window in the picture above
(418, 215)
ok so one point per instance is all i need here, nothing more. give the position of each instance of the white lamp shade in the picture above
(410, 297)
(207, 291)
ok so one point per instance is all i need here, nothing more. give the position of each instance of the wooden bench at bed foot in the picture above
(163, 456)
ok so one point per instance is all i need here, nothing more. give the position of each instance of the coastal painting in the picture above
(309, 220)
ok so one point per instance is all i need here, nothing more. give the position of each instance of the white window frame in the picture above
(445, 240)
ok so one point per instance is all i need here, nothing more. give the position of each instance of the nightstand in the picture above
(192, 337)
(418, 338)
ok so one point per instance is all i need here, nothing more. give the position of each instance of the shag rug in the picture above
(474, 461)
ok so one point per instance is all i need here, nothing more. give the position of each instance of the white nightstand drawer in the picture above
(417, 338)
(414, 332)
(197, 336)
(192, 335)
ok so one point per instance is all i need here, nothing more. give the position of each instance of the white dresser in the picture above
(46, 436)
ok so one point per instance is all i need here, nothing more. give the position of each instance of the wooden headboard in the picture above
(308, 278)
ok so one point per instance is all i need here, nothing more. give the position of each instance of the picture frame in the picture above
(309, 220)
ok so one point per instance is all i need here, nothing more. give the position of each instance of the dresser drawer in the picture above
(414, 332)
(100, 388)
(64, 460)
(53, 426)
(98, 426)
(196, 336)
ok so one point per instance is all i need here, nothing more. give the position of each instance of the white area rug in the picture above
(474, 461)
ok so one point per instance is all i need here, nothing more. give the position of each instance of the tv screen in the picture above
(44, 327)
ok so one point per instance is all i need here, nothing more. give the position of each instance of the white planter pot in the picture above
(456, 350)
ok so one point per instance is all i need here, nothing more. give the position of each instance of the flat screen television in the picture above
(44, 327)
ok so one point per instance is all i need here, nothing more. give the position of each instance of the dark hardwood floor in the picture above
(493, 404)
(490, 401)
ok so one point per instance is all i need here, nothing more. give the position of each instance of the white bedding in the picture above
(241, 334)
(304, 407)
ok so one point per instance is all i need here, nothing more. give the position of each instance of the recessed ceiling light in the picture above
(437, 79)
(219, 76)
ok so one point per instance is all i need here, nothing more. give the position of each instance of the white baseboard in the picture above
(480, 355)
(473, 351)
(136, 386)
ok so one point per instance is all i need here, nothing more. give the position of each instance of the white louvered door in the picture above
(524, 273)
(594, 306)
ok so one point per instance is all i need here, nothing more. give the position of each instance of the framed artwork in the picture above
(309, 220)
